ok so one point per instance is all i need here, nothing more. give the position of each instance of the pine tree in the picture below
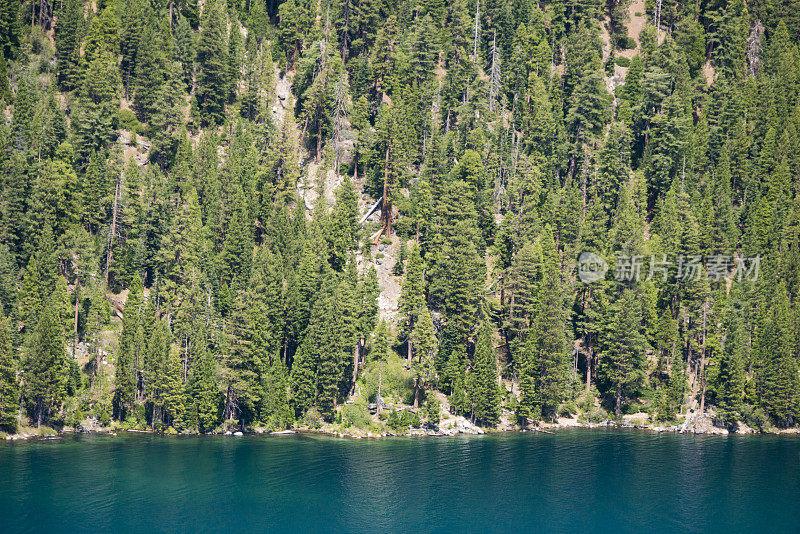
(424, 338)
(175, 394)
(380, 353)
(242, 367)
(69, 33)
(212, 85)
(46, 366)
(8, 280)
(294, 23)
(778, 377)
(125, 383)
(156, 374)
(731, 373)
(101, 80)
(342, 234)
(486, 403)
(134, 18)
(150, 74)
(166, 122)
(184, 50)
(457, 277)
(545, 354)
(234, 58)
(9, 384)
(202, 384)
(412, 294)
(528, 409)
(622, 363)
(277, 411)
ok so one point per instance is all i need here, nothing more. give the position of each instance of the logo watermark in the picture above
(591, 267)
(634, 268)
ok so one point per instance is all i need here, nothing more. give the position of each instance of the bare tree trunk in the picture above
(355, 368)
(186, 360)
(380, 383)
(475, 42)
(588, 370)
(583, 190)
(77, 300)
(416, 394)
(703, 364)
(385, 206)
(303, 135)
(319, 141)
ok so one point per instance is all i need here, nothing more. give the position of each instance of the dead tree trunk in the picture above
(588, 369)
(319, 142)
(355, 368)
(703, 365)
(386, 207)
(380, 383)
(77, 300)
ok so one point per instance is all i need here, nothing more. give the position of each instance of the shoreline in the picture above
(468, 429)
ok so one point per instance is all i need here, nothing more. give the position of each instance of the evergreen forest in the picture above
(231, 215)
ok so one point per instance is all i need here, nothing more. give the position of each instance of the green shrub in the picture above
(356, 415)
(433, 410)
(568, 409)
(312, 418)
(395, 422)
(634, 407)
(399, 267)
(597, 415)
(585, 403)
(102, 411)
(754, 417)
(410, 419)
(400, 420)
(397, 380)
(626, 43)
(404, 225)
(126, 120)
(623, 62)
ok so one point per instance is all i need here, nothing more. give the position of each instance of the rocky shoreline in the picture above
(450, 427)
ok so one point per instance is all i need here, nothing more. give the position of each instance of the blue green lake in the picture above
(570, 481)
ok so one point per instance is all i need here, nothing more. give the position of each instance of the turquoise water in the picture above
(572, 481)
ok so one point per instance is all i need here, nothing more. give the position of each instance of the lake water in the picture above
(572, 481)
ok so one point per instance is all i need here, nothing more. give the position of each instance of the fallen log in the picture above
(372, 210)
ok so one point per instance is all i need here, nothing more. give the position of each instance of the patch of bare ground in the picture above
(637, 17)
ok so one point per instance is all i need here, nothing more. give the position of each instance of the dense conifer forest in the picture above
(233, 215)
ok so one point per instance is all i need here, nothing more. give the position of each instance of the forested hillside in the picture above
(266, 214)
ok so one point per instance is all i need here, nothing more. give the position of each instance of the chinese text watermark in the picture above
(660, 267)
